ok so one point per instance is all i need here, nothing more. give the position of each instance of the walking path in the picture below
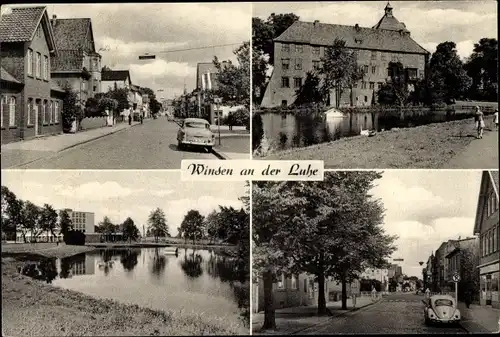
(24, 152)
(293, 320)
(479, 319)
(479, 154)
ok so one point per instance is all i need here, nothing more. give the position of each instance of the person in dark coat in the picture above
(468, 297)
(130, 119)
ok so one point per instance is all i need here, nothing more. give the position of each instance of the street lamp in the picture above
(217, 101)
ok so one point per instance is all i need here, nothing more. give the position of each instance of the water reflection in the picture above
(129, 259)
(191, 264)
(44, 270)
(159, 263)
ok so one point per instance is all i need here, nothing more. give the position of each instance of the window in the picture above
(49, 111)
(491, 241)
(45, 67)
(39, 31)
(285, 64)
(305, 285)
(285, 48)
(284, 104)
(316, 65)
(12, 111)
(30, 62)
(372, 85)
(366, 99)
(30, 108)
(383, 56)
(35, 109)
(495, 239)
(316, 50)
(374, 55)
(411, 73)
(298, 64)
(365, 69)
(374, 69)
(379, 85)
(297, 82)
(295, 282)
(44, 117)
(56, 112)
(281, 282)
(38, 64)
(363, 85)
(285, 82)
(299, 48)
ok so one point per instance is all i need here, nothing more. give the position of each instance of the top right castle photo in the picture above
(375, 84)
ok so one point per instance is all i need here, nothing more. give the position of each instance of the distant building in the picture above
(486, 227)
(299, 49)
(82, 221)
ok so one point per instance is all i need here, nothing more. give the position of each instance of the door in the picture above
(488, 289)
(35, 112)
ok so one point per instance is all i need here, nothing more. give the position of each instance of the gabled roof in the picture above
(204, 68)
(389, 22)
(67, 61)
(6, 76)
(19, 24)
(115, 75)
(488, 177)
(323, 34)
(73, 34)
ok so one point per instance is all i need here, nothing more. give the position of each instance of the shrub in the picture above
(73, 237)
(70, 109)
(92, 108)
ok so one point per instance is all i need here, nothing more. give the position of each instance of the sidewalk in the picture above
(479, 319)
(479, 154)
(293, 320)
(24, 152)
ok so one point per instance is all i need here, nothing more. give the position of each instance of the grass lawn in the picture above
(34, 308)
(428, 146)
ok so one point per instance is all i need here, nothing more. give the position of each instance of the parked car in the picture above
(441, 309)
(195, 132)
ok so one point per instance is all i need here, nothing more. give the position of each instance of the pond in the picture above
(201, 281)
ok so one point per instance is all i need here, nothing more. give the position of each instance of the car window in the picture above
(197, 125)
(443, 302)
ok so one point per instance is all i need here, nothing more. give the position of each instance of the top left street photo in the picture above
(124, 86)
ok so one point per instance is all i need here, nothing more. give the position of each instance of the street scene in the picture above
(91, 93)
(376, 84)
(389, 252)
(123, 253)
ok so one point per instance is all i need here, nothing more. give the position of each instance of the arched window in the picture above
(12, 111)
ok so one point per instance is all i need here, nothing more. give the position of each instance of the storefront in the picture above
(489, 284)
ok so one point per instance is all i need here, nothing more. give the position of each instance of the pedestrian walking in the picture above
(479, 119)
(468, 298)
(129, 118)
(374, 293)
(142, 117)
(495, 119)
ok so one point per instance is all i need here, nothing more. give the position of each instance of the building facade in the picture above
(464, 260)
(300, 48)
(31, 103)
(82, 221)
(486, 227)
(77, 64)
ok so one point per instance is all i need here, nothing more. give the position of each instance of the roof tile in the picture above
(71, 33)
(67, 60)
(115, 75)
(19, 24)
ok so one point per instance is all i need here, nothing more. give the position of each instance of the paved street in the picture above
(152, 145)
(395, 314)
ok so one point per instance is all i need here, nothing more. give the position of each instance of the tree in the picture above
(482, 67)
(30, 220)
(49, 219)
(107, 227)
(65, 223)
(11, 212)
(448, 78)
(130, 230)
(158, 224)
(469, 261)
(120, 95)
(92, 108)
(211, 226)
(192, 225)
(310, 91)
(233, 81)
(272, 206)
(71, 107)
(340, 70)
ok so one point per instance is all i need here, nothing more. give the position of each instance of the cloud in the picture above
(162, 193)
(94, 190)
(161, 68)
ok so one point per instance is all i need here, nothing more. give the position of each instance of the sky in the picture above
(425, 208)
(121, 194)
(128, 30)
(429, 22)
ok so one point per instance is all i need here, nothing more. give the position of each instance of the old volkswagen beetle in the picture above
(441, 309)
(195, 132)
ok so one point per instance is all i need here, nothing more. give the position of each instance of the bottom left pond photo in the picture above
(123, 253)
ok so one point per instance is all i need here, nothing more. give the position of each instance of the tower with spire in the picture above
(389, 21)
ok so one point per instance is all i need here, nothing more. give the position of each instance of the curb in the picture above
(220, 155)
(71, 146)
(334, 316)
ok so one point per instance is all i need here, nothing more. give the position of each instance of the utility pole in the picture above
(217, 101)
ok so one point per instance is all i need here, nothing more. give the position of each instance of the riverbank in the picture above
(34, 308)
(43, 249)
(429, 146)
(156, 245)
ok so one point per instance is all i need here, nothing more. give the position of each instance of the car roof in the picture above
(439, 297)
(196, 120)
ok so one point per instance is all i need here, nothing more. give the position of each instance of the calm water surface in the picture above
(194, 280)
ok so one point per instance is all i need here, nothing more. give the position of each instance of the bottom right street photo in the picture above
(390, 252)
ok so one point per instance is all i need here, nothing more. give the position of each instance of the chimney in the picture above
(54, 18)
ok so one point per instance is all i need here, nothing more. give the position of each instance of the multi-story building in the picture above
(427, 272)
(463, 260)
(300, 48)
(30, 102)
(486, 227)
(381, 275)
(77, 64)
(82, 221)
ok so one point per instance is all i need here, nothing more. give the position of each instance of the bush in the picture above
(76, 238)
(92, 108)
